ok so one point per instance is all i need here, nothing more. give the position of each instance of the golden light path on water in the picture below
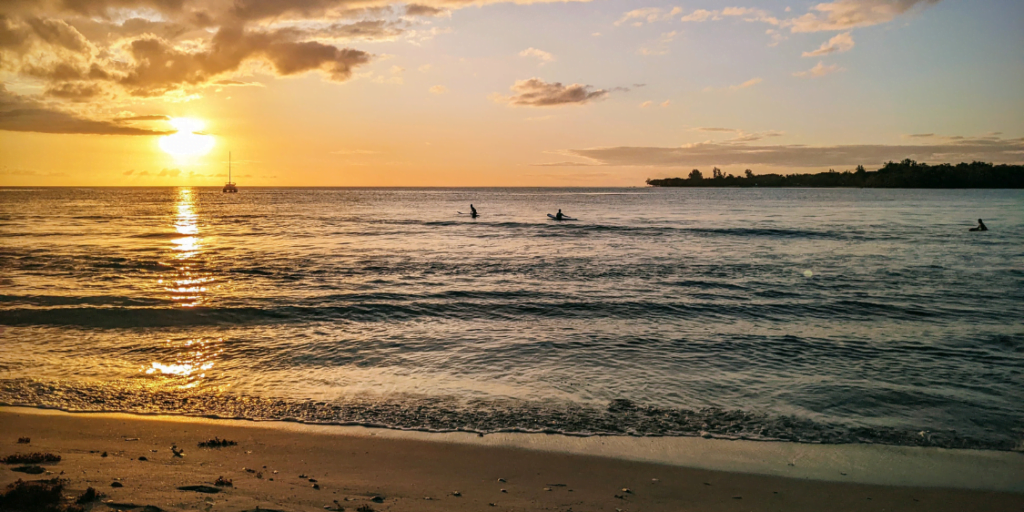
(192, 357)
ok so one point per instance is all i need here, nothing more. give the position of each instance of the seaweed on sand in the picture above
(30, 458)
(32, 496)
(217, 442)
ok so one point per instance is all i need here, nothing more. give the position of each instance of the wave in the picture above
(398, 307)
(449, 414)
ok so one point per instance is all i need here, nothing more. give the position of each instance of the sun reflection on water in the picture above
(194, 358)
(188, 288)
(187, 362)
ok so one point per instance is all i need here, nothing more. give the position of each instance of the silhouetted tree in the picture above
(905, 174)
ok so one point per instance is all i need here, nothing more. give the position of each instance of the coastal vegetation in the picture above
(905, 174)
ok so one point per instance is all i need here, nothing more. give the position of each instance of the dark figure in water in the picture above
(558, 216)
(472, 211)
(980, 226)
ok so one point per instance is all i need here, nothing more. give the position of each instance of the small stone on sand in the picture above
(117, 484)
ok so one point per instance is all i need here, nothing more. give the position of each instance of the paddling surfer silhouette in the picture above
(980, 227)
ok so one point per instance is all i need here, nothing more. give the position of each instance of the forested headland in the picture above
(905, 174)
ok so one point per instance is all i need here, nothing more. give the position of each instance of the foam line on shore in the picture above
(853, 463)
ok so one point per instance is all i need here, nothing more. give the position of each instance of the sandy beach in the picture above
(130, 461)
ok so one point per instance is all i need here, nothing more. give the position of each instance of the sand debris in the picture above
(24, 440)
(223, 482)
(377, 499)
(178, 452)
(31, 470)
(31, 458)
(116, 484)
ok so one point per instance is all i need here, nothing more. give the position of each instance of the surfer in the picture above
(980, 226)
(558, 216)
(472, 211)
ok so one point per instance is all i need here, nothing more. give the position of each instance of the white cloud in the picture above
(840, 43)
(535, 92)
(846, 14)
(701, 15)
(542, 55)
(424, 68)
(646, 104)
(748, 14)
(647, 14)
(666, 103)
(438, 89)
(749, 83)
(819, 70)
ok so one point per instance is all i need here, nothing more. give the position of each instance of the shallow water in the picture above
(819, 315)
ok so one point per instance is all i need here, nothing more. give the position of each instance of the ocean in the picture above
(807, 315)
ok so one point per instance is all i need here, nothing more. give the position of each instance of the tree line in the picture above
(905, 174)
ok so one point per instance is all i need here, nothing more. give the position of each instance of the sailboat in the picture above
(229, 187)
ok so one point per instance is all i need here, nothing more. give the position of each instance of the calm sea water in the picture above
(808, 315)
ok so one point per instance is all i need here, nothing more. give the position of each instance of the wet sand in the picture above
(272, 468)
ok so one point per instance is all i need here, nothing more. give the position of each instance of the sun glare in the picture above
(189, 140)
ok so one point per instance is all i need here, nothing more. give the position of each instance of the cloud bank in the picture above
(951, 149)
(21, 114)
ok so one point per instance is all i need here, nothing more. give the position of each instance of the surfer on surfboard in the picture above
(472, 211)
(558, 216)
(980, 227)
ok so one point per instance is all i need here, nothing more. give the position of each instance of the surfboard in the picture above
(564, 217)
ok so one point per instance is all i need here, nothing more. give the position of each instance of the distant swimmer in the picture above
(980, 226)
(472, 211)
(558, 216)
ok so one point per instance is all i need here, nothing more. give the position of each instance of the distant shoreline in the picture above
(906, 174)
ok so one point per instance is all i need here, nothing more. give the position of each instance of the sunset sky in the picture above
(457, 93)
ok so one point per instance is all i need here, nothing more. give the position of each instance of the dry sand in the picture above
(410, 474)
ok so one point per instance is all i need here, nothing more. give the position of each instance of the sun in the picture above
(189, 139)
